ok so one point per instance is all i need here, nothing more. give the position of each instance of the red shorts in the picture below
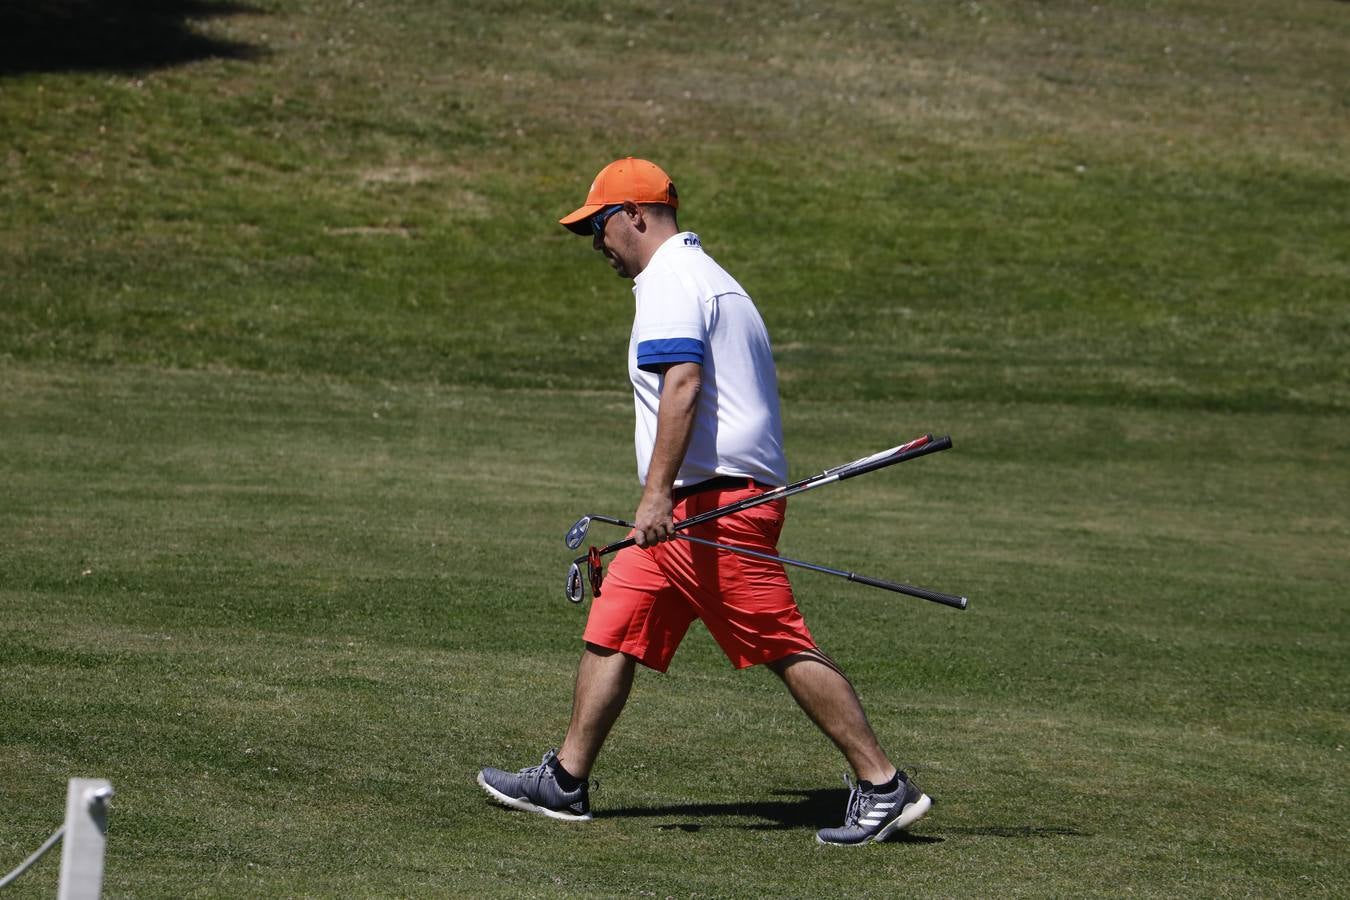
(651, 594)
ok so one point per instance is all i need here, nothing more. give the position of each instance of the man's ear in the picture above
(634, 212)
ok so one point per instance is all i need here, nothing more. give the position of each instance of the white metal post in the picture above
(83, 844)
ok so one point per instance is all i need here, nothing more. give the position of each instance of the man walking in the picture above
(708, 433)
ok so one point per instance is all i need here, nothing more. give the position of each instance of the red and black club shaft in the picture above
(920, 446)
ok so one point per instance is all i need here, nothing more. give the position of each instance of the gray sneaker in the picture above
(872, 816)
(537, 790)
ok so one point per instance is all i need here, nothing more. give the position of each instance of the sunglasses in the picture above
(599, 219)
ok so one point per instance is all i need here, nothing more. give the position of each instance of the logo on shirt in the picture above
(691, 240)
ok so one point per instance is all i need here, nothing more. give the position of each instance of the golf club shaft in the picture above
(920, 446)
(909, 589)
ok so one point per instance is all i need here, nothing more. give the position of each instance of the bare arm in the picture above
(654, 519)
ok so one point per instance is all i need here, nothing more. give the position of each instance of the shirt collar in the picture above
(672, 244)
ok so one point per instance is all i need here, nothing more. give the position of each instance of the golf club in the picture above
(920, 446)
(576, 535)
(575, 589)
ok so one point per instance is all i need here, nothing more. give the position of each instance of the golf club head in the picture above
(576, 587)
(577, 533)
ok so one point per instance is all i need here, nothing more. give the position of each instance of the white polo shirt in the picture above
(690, 310)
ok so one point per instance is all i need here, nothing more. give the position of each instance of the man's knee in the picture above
(781, 667)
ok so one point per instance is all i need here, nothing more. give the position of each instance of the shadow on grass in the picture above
(799, 809)
(112, 35)
(816, 809)
(1014, 831)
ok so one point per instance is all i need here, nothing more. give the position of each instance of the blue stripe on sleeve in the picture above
(652, 355)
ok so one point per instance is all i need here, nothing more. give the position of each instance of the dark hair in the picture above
(662, 211)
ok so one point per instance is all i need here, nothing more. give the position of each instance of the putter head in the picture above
(577, 533)
(576, 586)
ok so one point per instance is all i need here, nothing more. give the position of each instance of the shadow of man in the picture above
(809, 809)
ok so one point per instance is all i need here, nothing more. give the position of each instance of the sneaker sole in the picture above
(523, 804)
(908, 816)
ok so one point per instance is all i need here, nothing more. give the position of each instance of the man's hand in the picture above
(654, 521)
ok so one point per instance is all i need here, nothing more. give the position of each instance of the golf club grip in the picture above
(828, 477)
(922, 593)
(932, 446)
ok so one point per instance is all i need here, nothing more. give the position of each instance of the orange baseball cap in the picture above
(623, 179)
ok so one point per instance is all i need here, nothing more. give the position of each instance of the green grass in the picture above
(1138, 208)
(275, 621)
(300, 385)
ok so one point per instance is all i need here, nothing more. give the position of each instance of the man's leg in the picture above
(558, 786)
(821, 690)
(604, 678)
(887, 801)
